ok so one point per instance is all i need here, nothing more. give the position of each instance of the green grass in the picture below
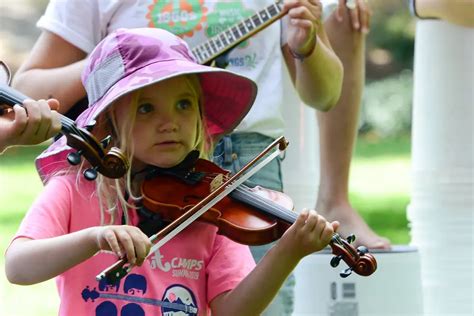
(19, 185)
(378, 189)
(379, 185)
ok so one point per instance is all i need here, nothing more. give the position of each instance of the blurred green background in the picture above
(379, 185)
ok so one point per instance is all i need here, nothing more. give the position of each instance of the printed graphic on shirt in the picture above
(225, 15)
(186, 17)
(180, 296)
(179, 267)
(182, 17)
(177, 299)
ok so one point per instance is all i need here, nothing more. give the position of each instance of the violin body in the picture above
(171, 196)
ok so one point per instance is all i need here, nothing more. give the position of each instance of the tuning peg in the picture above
(335, 261)
(350, 239)
(74, 158)
(89, 127)
(362, 250)
(106, 141)
(90, 174)
(345, 273)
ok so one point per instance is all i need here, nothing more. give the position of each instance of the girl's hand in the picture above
(305, 21)
(31, 124)
(125, 241)
(309, 233)
(359, 13)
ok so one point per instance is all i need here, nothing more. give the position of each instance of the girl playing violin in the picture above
(145, 90)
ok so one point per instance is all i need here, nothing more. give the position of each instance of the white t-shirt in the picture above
(84, 23)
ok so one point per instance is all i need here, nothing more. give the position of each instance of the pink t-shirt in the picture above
(181, 278)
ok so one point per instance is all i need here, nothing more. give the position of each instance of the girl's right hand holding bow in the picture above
(125, 241)
(55, 255)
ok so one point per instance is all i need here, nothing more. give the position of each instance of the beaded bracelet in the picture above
(301, 57)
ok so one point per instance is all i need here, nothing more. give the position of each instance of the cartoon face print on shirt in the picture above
(106, 308)
(105, 287)
(135, 284)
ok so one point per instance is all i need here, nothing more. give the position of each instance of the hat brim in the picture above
(227, 96)
(227, 99)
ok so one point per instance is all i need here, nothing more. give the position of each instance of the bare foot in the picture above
(352, 223)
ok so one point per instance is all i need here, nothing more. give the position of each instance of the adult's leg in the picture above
(338, 129)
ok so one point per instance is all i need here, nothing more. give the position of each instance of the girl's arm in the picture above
(29, 261)
(53, 70)
(310, 233)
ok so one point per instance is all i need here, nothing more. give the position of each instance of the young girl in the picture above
(146, 91)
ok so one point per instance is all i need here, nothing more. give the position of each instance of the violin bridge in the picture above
(216, 182)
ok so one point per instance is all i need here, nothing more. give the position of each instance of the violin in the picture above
(112, 164)
(246, 215)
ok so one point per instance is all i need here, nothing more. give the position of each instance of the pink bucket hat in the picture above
(130, 59)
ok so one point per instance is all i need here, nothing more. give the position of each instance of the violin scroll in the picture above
(112, 164)
(359, 260)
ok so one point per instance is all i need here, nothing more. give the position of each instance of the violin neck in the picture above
(264, 205)
(10, 96)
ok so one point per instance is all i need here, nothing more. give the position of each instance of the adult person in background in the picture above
(442, 201)
(347, 28)
(299, 43)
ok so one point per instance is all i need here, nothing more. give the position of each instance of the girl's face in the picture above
(166, 123)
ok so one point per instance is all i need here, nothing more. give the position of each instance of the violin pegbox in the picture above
(113, 164)
(358, 259)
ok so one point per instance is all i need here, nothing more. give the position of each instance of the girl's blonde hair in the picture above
(113, 193)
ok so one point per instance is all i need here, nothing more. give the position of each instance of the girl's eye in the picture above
(145, 108)
(184, 104)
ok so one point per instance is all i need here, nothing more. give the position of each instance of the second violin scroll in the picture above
(111, 164)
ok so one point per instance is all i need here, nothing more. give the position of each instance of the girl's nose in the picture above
(167, 122)
(168, 126)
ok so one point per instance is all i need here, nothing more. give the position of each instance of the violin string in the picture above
(72, 127)
(272, 207)
(262, 202)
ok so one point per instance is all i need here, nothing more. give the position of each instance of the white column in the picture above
(442, 198)
(301, 164)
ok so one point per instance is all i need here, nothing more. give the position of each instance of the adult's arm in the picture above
(460, 12)
(53, 70)
(318, 76)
